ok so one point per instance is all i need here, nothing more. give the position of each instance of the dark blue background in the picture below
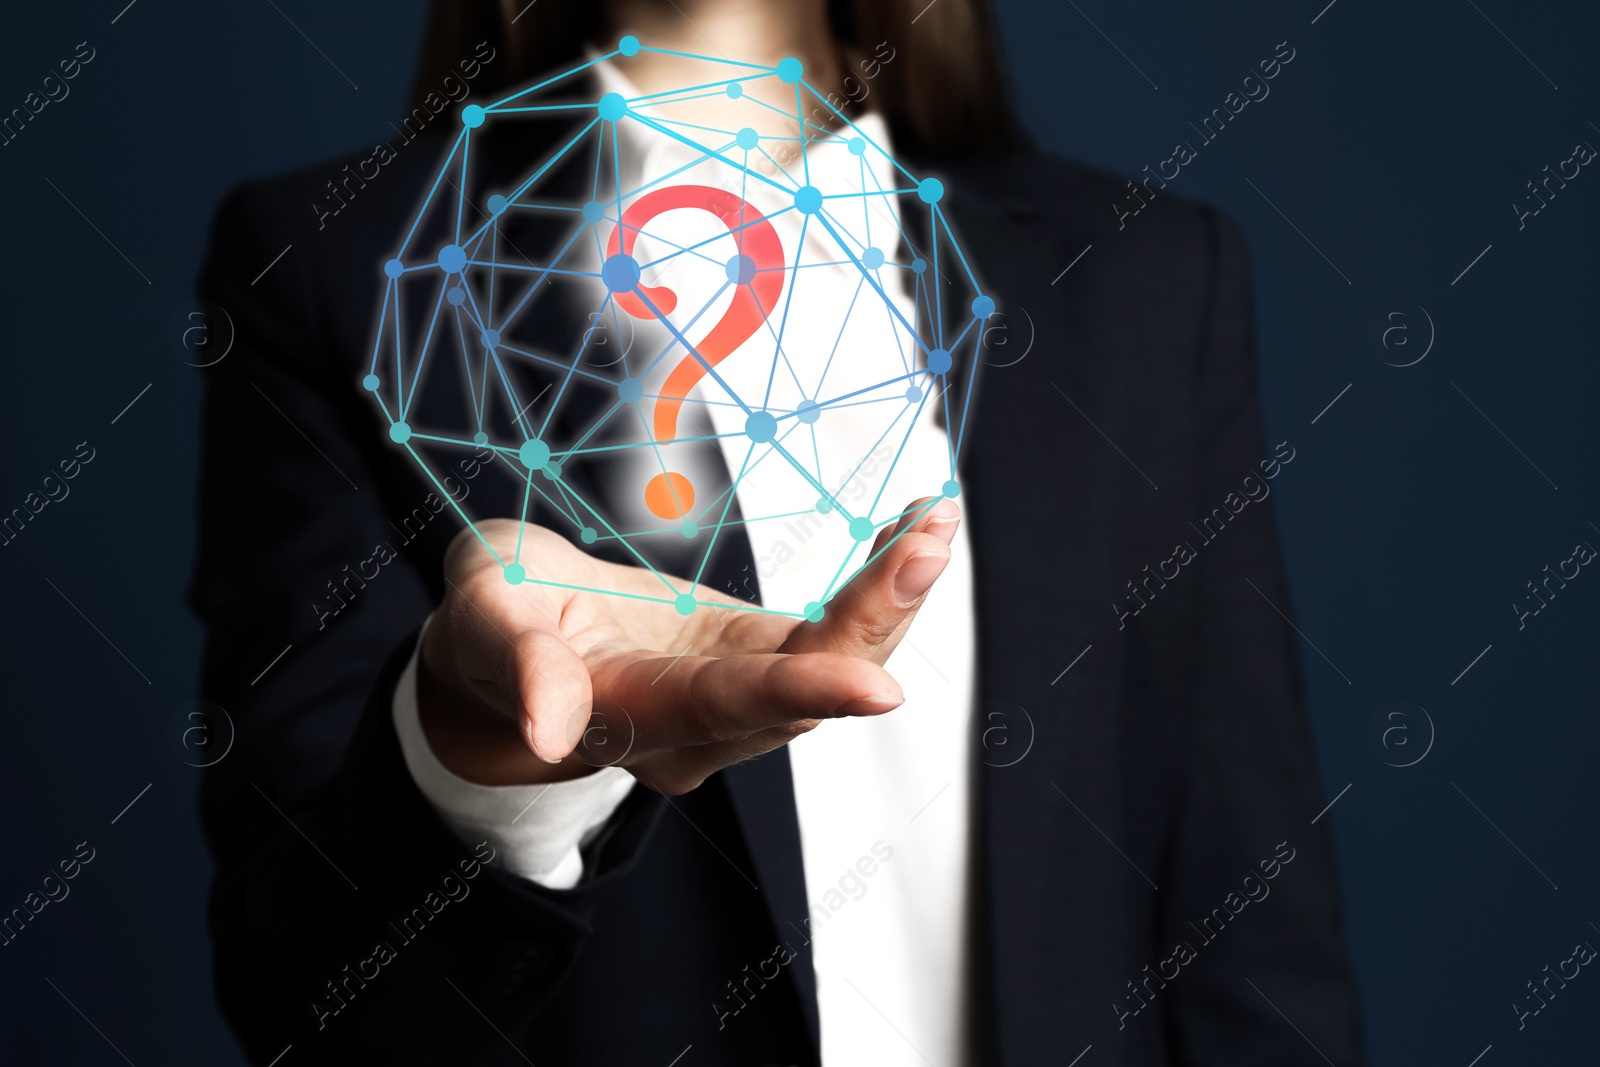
(1396, 140)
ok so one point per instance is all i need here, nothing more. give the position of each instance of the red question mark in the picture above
(758, 284)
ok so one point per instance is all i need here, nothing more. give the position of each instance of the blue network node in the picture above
(682, 278)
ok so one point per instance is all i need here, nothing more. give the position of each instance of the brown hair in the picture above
(942, 93)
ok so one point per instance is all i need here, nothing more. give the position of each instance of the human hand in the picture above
(513, 680)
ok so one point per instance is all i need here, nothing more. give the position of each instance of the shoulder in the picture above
(1133, 222)
(299, 254)
(1152, 273)
(335, 200)
(335, 208)
(1132, 314)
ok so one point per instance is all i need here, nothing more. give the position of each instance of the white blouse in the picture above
(883, 802)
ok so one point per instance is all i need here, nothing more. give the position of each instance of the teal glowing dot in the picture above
(930, 190)
(472, 116)
(983, 307)
(814, 612)
(685, 604)
(858, 146)
(552, 470)
(952, 488)
(913, 393)
(534, 454)
(747, 139)
(490, 338)
(809, 411)
(919, 265)
(861, 528)
(630, 390)
(872, 258)
(594, 211)
(825, 505)
(735, 90)
(690, 529)
(629, 45)
(399, 433)
(741, 270)
(939, 361)
(790, 71)
(761, 427)
(457, 296)
(394, 268)
(613, 107)
(515, 573)
(370, 383)
(620, 273)
(497, 205)
(452, 258)
(808, 199)
(480, 438)
(588, 535)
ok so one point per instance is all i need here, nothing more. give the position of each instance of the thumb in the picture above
(517, 663)
(870, 615)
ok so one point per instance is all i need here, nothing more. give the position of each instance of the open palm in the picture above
(515, 678)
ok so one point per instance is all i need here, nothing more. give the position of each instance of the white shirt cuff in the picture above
(536, 830)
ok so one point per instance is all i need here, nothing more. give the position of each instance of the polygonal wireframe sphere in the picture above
(675, 315)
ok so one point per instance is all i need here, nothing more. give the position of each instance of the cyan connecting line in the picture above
(463, 334)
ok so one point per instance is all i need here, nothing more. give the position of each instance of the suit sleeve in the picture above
(347, 919)
(1253, 887)
(538, 831)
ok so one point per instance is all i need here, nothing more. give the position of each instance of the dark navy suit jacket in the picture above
(1132, 815)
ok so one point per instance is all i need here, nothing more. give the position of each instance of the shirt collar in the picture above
(647, 156)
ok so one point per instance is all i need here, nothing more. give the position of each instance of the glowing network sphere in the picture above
(672, 252)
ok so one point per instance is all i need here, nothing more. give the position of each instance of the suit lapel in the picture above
(1032, 481)
(762, 791)
(1033, 487)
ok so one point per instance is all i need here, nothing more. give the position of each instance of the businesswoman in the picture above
(467, 822)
